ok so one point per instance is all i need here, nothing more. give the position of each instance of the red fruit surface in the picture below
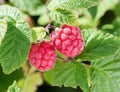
(42, 56)
(68, 40)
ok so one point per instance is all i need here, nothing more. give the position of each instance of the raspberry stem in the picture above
(31, 70)
(67, 59)
(48, 27)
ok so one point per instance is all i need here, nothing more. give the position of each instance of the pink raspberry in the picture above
(42, 56)
(68, 40)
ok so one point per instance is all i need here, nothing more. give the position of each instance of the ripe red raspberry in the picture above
(68, 40)
(42, 56)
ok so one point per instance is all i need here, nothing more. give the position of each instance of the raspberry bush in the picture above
(72, 44)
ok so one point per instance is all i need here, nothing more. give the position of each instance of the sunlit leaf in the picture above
(71, 74)
(16, 43)
(98, 44)
(13, 88)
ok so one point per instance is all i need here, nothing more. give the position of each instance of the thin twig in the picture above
(68, 59)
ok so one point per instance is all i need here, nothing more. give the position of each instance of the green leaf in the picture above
(7, 80)
(117, 9)
(98, 44)
(16, 43)
(86, 22)
(3, 29)
(13, 88)
(38, 33)
(113, 28)
(98, 11)
(64, 16)
(33, 7)
(105, 74)
(70, 74)
(71, 4)
(43, 19)
(116, 24)
(33, 81)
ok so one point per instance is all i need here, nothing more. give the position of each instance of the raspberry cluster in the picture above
(67, 40)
